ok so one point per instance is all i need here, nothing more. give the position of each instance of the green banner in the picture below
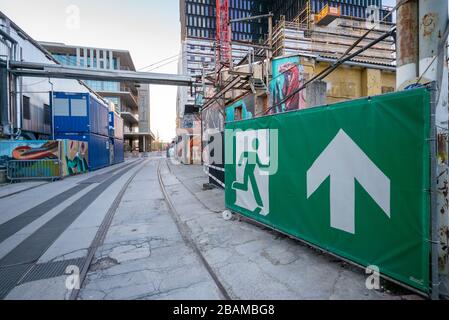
(352, 178)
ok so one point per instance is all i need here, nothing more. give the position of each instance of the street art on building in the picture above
(241, 110)
(29, 150)
(75, 157)
(188, 121)
(48, 150)
(288, 76)
(72, 154)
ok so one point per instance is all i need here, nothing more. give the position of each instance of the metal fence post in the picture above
(434, 216)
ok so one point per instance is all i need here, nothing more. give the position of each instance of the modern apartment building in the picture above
(131, 100)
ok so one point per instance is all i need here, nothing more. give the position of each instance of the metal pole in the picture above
(52, 110)
(4, 105)
(407, 44)
(270, 15)
(433, 19)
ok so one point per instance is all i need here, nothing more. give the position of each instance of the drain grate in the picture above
(9, 276)
(51, 270)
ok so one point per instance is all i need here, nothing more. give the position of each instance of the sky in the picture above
(149, 29)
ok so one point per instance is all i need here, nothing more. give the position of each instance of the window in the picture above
(26, 108)
(47, 114)
(61, 108)
(238, 114)
(78, 108)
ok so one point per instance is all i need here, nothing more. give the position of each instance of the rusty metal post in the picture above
(407, 45)
(270, 51)
(433, 32)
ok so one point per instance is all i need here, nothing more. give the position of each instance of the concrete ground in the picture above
(256, 263)
(45, 229)
(144, 256)
(148, 242)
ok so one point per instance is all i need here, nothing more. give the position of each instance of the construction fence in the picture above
(354, 179)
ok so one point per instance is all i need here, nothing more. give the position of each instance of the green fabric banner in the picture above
(352, 178)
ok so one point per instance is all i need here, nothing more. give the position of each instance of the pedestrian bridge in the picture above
(42, 70)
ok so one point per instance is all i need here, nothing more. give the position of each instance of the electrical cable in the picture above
(163, 65)
(156, 63)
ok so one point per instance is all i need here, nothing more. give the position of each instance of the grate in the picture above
(51, 270)
(9, 277)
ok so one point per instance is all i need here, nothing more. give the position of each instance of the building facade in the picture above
(123, 95)
(198, 19)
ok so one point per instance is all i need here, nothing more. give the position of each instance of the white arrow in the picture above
(344, 162)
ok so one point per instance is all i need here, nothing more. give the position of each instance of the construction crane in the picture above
(223, 36)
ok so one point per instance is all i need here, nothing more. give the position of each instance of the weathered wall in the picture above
(350, 82)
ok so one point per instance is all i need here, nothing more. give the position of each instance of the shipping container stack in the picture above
(116, 138)
(83, 117)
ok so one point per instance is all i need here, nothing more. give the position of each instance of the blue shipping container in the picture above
(98, 148)
(119, 151)
(80, 113)
(116, 129)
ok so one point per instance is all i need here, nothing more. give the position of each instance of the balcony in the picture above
(130, 117)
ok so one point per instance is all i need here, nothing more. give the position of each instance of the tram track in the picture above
(182, 228)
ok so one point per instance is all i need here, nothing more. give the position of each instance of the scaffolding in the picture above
(304, 36)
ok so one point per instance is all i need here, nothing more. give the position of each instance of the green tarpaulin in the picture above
(352, 178)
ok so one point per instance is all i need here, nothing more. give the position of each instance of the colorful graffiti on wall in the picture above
(241, 110)
(288, 76)
(75, 154)
(29, 150)
(49, 150)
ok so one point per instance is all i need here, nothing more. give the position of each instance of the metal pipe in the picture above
(433, 24)
(62, 72)
(407, 43)
(18, 92)
(262, 16)
(434, 236)
(4, 95)
(52, 109)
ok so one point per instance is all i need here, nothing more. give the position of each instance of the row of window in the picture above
(77, 108)
(102, 86)
(71, 60)
(66, 60)
(209, 34)
(200, 59)
(201, 22)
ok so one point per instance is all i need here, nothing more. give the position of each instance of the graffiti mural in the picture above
(288, 76)
(23, 158)
(49, 150)
(75, 157)
(29, 150)
(241, 110)
(73, 154)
